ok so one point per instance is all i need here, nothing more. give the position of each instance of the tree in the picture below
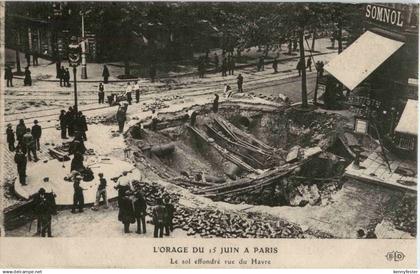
(300, 16)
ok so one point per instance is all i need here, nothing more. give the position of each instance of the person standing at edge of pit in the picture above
(155, 120)
(121, 117)
(8, 76)
(128, 91)
(140, 207)
(28, 79)
(80, 125)
(126, 211)
(240, 81)
(105, 74)
(78, 198)
(101, 94)
(36, 134)
(29, 142)
(20, 130)
(309, 64)
(101, 192)
(275, 65)
(216, 103)
(44, 207)
(20, 160)
(63, 124)
(10, 137)
(159, 216)
(170, 210)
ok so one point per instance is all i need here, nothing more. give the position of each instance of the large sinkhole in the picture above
(245, 155)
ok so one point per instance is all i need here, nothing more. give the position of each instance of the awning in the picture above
(408, 120)
(362, 58)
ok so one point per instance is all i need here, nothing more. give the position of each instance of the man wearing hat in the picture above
(10, 137)
(36, 134)
(21, 161)
(140, 207)
(43, 209)
(29, 142)
(78, 198)
(101, 192)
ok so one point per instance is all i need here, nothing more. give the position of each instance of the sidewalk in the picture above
(46, 71)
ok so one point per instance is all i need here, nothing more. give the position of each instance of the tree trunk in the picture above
(340, 40)
(313, 40)
(126, 67)
(302, 60)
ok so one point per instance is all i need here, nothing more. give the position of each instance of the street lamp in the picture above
(83, 43)
(74, 61)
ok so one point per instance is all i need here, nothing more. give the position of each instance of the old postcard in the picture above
(209, 134)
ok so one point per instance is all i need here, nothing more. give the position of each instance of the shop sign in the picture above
(385, 15)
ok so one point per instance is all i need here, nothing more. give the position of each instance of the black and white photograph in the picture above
(210, 120)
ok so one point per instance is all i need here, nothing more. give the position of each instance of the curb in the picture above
(179, 75)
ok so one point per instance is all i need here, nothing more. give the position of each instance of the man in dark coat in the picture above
(80, 125)
(62, 76)
(63, 124)
(216, 103)
(28, 79)
(77, 146)
(10, 137)
(101, 94)
(275, 65)
(300, 66)
(70, 115)
(240, 81)
(36, 134)
(20, 130)
(44, 208)
(140, 207)
(170, 210)
(8, 76)
(77, 162)
(260, 66)
(126, 212)
(309, 64)
(67, 78)
(78, 198)
(29, 142)
(121, 117)
(20, 160)
(105, 74)
(159, 217)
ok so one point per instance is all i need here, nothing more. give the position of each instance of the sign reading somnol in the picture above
(385, 15)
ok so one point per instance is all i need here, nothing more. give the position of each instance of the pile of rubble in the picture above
(214, 223)
(405, 215)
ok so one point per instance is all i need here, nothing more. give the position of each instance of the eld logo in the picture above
(395, 256)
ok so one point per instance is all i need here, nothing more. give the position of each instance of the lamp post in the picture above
(74, 61)
(84, 66)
